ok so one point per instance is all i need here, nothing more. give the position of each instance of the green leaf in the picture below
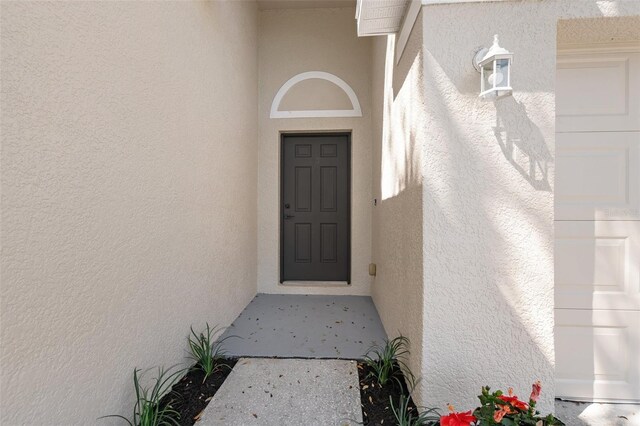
(508, 422)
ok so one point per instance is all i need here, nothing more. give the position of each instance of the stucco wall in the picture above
(129, 158)
(292, 41)
(398, 136)
(488, 200)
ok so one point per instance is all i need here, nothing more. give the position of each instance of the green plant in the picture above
(148, 411)
(206, 351)
(496, 408)
(384, 359)
(405, 416)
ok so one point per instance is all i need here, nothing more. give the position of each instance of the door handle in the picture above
(288, 216)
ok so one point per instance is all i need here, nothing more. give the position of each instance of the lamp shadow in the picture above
(522, 143)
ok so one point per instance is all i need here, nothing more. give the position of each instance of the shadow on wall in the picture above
(397, 230)
(522, 143)
(488, 262)
(476, 266)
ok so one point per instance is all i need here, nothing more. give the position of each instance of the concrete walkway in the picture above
(283, 392)
(594, 414)
(301, 326)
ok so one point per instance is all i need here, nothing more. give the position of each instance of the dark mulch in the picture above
(376, 408)
(190, 395)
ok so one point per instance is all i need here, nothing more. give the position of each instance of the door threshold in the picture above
(315, 284)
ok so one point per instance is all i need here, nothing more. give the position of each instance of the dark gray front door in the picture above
(315, 209)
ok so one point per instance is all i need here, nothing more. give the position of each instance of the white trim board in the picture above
(587, 48)
(412, 12)
(356, 111)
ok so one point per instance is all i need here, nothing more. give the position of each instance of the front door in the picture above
(315, 207)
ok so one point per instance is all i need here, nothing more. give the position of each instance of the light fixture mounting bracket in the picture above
(478, 56)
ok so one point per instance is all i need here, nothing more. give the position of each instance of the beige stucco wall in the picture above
(488, 179)
(129, 158)
(398, 136)
(292, 41)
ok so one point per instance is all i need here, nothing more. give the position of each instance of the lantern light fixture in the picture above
(494, 66)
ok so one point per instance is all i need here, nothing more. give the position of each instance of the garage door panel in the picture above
(598, 176)
(593, 92)
(596, 264)
(607, 257)
(597, 354)
(600, 352)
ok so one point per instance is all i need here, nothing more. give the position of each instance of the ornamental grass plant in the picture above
(387, 361)
(147, 410)
(206, 351)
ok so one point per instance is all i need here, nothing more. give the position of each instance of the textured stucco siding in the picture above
(292, 41)
(129, 158)
(488, 179)
(398, 136)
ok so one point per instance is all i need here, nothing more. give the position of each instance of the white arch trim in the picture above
(356, 111)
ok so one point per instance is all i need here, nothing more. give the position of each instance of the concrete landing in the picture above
(282, 392)
(300, 326)
(594, 414)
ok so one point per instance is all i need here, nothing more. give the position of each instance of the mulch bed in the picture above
(190, 395)
(376, 408)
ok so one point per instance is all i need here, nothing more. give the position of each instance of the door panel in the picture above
(598, 92)
(597, 228)
(328, 189)
(597, 265)
(303, 189)
(597, 354)
(315, 209)
(598, 176)
(302, 243)
(328, 243)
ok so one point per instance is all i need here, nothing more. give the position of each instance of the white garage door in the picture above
(597, 228)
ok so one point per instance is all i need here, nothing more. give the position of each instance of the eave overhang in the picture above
(380, 17)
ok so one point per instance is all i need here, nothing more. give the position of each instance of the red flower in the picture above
(514, 401)
(535, 391)
(457, 419)
(498, 415)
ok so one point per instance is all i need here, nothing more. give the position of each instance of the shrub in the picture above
(147, 410)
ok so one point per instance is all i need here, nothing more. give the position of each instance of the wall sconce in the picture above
(494, 66)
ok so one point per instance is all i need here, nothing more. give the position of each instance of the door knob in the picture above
(288, 216)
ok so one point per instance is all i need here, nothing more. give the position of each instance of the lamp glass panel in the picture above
(487, 82)
(501, 74)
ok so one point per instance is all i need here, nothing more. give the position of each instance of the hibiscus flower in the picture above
(535, 391)
(457, 419)
(514, 401)
(498, 415)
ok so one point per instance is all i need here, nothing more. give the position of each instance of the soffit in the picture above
(377, 17)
